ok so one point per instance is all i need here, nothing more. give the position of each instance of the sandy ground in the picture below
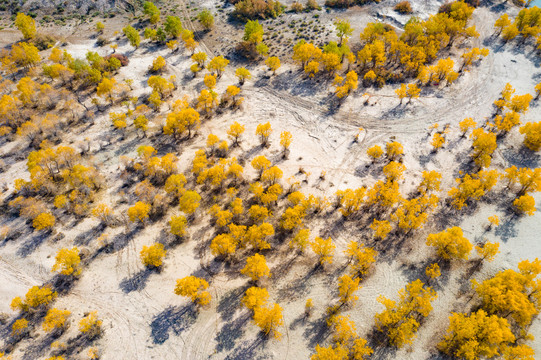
(144, 319)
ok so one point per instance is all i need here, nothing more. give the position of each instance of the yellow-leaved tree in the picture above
(26, 25)
(235, 131)
(264, 131)
(139, 212)
(399, 320)
(269, 319)
(178, 225)
(361, 258)
(255, 297)
(450, 244)
(152, 256)
(35, 298)
(68, 262)
(347, 286)
(90, 325)
(194, 288)
(43, 221)
(513, 294)
(189, 202)
(256, 267)
(484, 144)
(324, 249)
(55, 319)
(476, 335)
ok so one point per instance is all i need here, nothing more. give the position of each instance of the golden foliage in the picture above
(152, 256)
(55, 319)
(90, 325)
(68, 262)
(450, 244)
(477, 335)
(256, 267)
(269, 319)
(194, 288)
(324, 249)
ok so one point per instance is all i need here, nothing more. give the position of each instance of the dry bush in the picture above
(403, 7)
(253, 9)
(296, 7)
(347, 3)
(43, 41)
(311, 5)
(124, 61)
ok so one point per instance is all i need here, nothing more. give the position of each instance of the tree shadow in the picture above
(417, 271)
(382, 351)
(524, 157)
(17, 231)
(76, 344)
(204, 241)
(248, 351)
(389, 248)
(397, 112)
(316, 331)
(30, 245)
(86, 237)
(467, 165)
(298, 321)
(497, 8)
(507, 229)
(63, 284)
(248, 154)
(38, 348)
(170, 241)
(263, 81)
(299, 289)
(374, 169)
(135, 283)
(230, 332)
(172, 319)
(122, 240)
(230, 302)
(127, 146)
(426, 158)
(447, 215)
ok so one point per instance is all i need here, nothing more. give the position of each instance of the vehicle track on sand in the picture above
(24, 277)
(113, 318)
(190, 24)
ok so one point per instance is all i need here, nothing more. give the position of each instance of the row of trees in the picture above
(382, 49)
(527, 24)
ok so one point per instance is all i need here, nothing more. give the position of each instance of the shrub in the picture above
(339, 3)
(152, 256)
(311, 5)
(102, 41)
(403, 7)
(90, 325)
(206, 19)
(43, 42)
(43, 221)
(296, 7)
(252, 9)
(124, 61)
